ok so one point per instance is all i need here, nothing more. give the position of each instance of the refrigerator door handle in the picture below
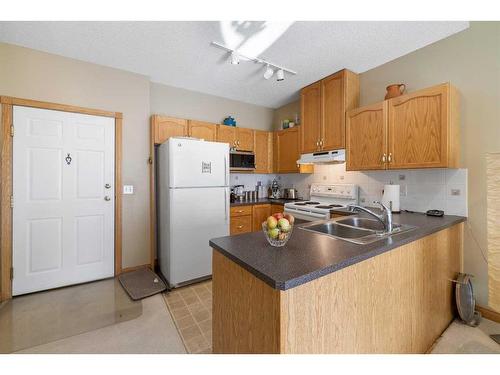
(225, 203)
(225, 170)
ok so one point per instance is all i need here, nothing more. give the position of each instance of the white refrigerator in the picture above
(193, 206)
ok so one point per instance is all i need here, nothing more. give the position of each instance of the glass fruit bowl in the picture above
(276, 237)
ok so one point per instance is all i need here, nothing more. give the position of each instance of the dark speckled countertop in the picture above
(308, 256)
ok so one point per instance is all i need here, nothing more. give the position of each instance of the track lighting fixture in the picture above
(270, 67)
(235, 59)
(269, 72)
(280, 76)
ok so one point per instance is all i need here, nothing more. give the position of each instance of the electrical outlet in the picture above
(341, 177)
(402, 177)
(455, 191)
(128, 189)
(362, 200)
(324, 178)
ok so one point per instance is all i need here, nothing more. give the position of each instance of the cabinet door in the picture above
(418, 129)
(260, 213)
(166, 127)
(310, 102)
(240, 224)
(263, 151)
(276, 208)
(226, 134)
(203, 130)
(287, 150)
(244, 139)
(366, 137)
(333, 123)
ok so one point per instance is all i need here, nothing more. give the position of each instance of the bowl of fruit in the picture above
(278, 228)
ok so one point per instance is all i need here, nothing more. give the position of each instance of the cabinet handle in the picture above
(389, 158)
(384, 158)
(240, 211)
(239, 226)
(321, 143)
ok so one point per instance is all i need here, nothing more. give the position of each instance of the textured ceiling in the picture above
(179, 53)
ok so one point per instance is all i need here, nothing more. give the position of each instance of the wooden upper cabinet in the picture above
(366, 138)
(239, 138)
(226, 134)
(423, 129)
(417, 130)
(164, 127)
(263, 148)
(260, 212)
(339, 93)
(323, 106)
(286, 144)
(310, 107)
(244, 139)
(202, 130)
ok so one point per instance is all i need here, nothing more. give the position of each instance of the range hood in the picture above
(323, 157)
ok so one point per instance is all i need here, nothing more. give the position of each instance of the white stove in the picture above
(323, 198)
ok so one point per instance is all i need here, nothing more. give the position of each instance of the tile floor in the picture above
(191, 309)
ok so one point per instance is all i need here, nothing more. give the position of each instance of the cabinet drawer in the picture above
(241, 224)
(241, 211)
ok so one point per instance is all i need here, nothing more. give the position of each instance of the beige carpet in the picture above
(151, 333)
(462, 339)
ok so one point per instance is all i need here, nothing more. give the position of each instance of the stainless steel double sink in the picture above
(359, 230)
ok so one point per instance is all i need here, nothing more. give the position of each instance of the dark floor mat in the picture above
(141, 283)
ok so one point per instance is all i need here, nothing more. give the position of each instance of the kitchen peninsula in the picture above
(318, 294)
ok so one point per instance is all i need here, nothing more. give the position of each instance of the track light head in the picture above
(280, 76)
(269, 72)
(235, 59)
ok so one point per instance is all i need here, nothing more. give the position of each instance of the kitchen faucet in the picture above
(385, 218)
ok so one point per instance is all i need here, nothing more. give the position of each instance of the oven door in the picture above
(306, 215)
(242, 161)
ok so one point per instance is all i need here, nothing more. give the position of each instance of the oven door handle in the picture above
(308, 213)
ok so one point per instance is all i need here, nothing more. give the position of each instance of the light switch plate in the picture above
(128, 189)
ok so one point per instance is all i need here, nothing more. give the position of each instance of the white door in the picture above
(195, 163)
(63, 189)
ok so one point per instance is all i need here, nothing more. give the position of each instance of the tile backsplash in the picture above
(421, 189)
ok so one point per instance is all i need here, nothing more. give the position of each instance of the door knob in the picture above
(107, 186)
(106, 198)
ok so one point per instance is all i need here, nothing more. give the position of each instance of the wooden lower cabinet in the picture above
(260, 212)
(397, 302)
(275, 208)
(240, 224)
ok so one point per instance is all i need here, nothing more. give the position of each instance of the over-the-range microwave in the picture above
(241, 161)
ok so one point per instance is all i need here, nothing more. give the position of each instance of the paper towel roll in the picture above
(390, 197)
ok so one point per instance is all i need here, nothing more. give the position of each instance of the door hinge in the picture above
(11, 201)
(12, 130)
(12, 273)
(150, 160)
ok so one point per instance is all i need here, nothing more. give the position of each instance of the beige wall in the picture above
(470, 60)
(176, 102)
(287, 112)
(30, 74)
